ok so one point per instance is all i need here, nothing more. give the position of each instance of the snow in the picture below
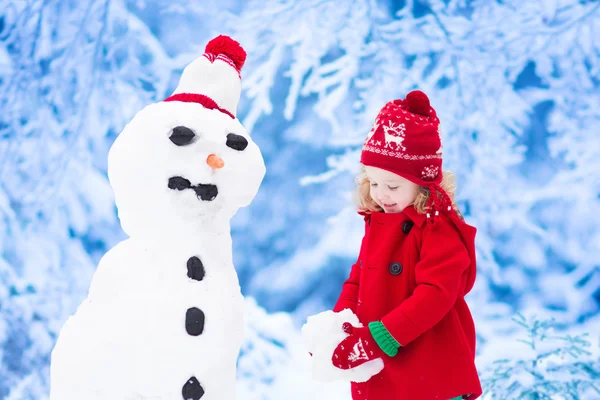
(274, 363)
(322, 333)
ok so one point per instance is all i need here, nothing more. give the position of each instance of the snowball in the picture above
(322, 333)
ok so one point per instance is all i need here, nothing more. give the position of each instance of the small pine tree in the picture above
(555, 367)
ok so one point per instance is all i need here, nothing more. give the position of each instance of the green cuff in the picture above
(384, 339)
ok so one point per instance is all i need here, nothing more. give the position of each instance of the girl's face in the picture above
(391, 192)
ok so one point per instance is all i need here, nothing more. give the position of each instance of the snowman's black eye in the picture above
(182, 136)
(236, 142)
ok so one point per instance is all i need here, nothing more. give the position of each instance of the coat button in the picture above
(407, 226)
(395, 268)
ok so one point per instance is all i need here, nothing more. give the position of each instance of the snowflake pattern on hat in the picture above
(429, 173)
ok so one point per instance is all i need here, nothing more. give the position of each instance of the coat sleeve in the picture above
(349, 296)
(440, 275)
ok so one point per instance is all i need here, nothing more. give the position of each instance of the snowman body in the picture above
(163, 319)
(145, 341)
(130, 341)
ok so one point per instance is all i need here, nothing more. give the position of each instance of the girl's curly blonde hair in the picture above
(365, 202)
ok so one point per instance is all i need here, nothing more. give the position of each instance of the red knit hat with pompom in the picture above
(214, 79)
(405, 139)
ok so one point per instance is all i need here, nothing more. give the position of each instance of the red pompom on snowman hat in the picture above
(406, 140)
(229, 48)
(214, 79)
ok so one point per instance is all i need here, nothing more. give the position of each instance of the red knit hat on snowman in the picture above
(214, 79)
(405, 139)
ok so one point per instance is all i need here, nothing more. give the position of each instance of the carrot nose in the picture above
(215, 161)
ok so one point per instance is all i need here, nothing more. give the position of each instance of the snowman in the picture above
(163, 319)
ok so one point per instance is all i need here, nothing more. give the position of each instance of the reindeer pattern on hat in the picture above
(393, 135)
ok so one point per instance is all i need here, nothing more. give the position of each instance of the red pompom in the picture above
(417, 102)
(225, 45)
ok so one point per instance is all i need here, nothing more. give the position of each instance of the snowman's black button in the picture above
(195, 269)
(194, 321)
(192, 390)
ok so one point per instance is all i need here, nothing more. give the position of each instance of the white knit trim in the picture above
(211, 57)
(223, 57)
(401, 155)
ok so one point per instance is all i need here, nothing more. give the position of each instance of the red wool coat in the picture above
(415, 284)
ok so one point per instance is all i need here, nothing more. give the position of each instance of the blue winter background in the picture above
(517, 87)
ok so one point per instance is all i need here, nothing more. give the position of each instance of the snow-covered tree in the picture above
(515, 84)
(545, 365)
(72, 75)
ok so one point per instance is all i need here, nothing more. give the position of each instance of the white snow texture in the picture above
(128, 339)
(322, 333)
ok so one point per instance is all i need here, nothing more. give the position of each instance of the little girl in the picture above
(416, 264)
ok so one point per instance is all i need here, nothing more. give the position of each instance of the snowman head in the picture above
(188, 161)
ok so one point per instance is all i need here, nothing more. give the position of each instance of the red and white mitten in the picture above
(356, 349)
(322, 334)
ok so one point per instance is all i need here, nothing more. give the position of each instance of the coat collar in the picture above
(416, 217)
(410, 212)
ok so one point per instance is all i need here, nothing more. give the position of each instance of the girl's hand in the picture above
(356, 349)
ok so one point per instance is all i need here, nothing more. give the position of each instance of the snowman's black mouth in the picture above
(204, 192)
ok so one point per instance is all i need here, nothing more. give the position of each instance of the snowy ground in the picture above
(274, 364)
